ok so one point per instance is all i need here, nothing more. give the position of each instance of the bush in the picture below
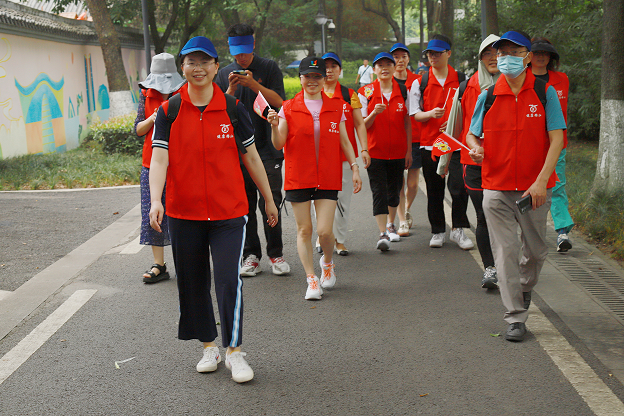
(117, 135)
(291, 86)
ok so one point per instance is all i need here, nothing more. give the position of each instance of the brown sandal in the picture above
(154, 278)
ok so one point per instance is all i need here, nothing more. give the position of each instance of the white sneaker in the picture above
(457, 236)
(251, 266)
(314, 291)
(279, 266)
(392, 233)
(437, 240)
(209, 361)
(409, 219)
(404, 230)
(328, 278)
(383, 243)
(241, 372)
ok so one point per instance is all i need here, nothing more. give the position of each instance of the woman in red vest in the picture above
(197, 149)
(544, 65)
(311, 130)
(162, 82)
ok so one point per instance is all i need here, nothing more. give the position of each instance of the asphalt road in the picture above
(407, 332)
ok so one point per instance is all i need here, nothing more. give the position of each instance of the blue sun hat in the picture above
(163, 76)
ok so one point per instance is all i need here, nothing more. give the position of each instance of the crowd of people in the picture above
(219, 156)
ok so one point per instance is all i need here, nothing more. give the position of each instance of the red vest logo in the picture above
(225, 128)
(333, 126)
(533, 111)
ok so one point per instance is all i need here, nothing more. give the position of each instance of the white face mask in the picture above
(511, 66)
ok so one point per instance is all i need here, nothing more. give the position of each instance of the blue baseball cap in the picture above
(437, 45)
(241, 44)
(383, 55)
(513, 37)
(331, 55)
(398, 46)
(199, 44)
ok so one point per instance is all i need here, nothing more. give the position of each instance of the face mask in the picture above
(512, 66)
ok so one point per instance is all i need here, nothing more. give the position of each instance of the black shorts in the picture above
(310, 194)
(416, 157)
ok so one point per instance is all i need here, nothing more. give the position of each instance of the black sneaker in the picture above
(527, 299)
(563, 243)
(489, 281)
(516, 332)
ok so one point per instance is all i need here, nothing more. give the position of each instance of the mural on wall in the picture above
(52, 110)
(42, 102)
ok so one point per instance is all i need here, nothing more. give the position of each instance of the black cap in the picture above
(312, 64)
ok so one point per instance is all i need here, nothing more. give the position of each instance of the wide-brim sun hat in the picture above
(541, 46)
(163, 76)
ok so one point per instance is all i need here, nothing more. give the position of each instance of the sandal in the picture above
(154, 278)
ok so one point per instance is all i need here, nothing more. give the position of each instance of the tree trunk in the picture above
(610, 167)
(491, 17)
(385, 13)
(338, 30)
(118, 86)
(189, 28)
(259, 32)
(161, 41)
(447, 17)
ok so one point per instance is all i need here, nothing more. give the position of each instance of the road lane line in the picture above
(598, 396)
(13, 359)
(132, 247)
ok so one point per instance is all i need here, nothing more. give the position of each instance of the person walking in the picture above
(196, 148)
(458, 126)
(244, 78)
(365, 74)
(385, 108)
(160, 84)
(354, 123)
(544, 65)
(404, 76)
(429, 101)
(311, 129)
(517, 138)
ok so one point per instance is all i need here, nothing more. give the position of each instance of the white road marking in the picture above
(13, 359)
(585, 381)
(133, 247)
(4, 294)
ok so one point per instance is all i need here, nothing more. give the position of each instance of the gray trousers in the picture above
(344, 200)
(515, 274)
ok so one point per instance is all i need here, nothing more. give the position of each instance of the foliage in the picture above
(85, 167)
(599, 216)
(575, 30)
(117, 135)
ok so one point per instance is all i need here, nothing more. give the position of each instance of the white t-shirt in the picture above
(365, 73)
(414, 99)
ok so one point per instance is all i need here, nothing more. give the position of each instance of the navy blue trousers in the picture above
(193, 243)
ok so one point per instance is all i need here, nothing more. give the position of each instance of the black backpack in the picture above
(461, 77)
(230, 101)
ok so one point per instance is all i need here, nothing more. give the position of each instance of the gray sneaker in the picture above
(516, 332)
(489, 281)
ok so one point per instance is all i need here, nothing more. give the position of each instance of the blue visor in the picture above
(383, 55)
(399, 46)
(513, 37)
(241, 44)
(437, 45)
(331, 55)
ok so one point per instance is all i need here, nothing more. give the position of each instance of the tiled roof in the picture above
(48, 5)
(18, 19)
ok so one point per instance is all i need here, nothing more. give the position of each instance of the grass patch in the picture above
(85, 167)
(600, 217)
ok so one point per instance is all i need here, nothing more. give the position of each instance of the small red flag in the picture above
(446, 144)
(260, 104)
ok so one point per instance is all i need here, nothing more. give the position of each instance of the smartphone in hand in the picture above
(239, 72)
(524, 204)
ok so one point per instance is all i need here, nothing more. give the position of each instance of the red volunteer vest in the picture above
(153, 100)
(468, 102)
(561, 84)
(515, 140)
(349, 124)
(204, 179)
(387, 136)
(301, 169)
(416, 126)
(433, 97)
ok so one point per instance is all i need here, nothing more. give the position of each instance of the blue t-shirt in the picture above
(554, 115)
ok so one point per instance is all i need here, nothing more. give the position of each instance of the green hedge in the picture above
(117, 135)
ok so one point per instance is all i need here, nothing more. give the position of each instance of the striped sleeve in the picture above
(162, 129)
